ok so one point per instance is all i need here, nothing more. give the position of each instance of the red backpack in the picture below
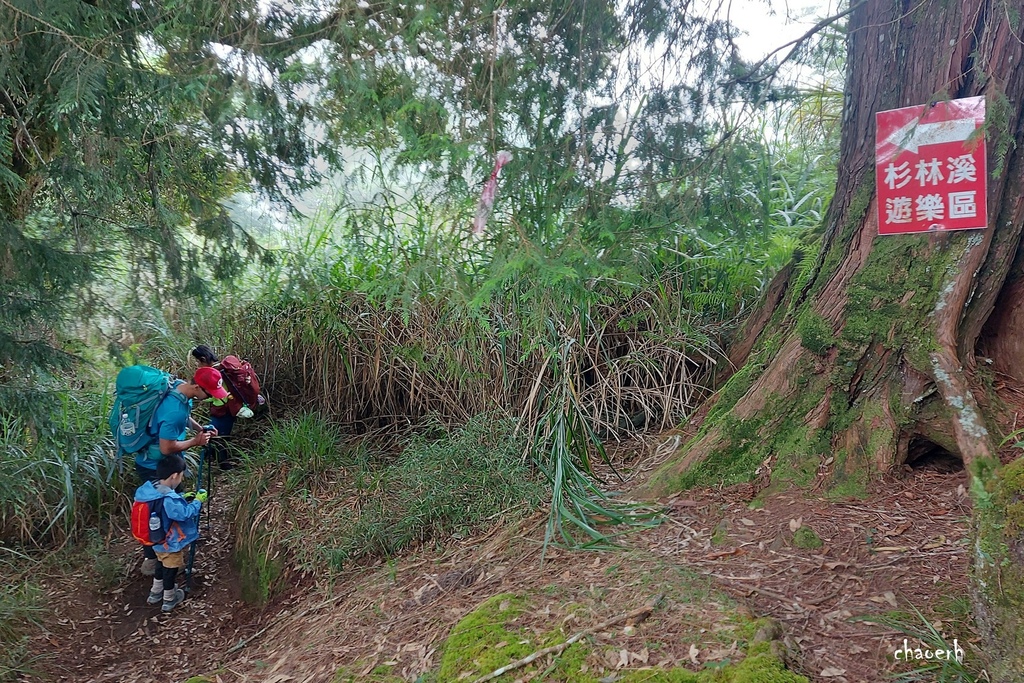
(149, 526)
(241, 381)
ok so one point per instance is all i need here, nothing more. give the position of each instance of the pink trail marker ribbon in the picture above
(483, 209)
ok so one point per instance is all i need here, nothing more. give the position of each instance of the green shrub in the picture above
(442, 485)
(303, 480)
(308, 444)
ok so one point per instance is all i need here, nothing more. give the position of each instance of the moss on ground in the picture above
(486, 639)
(354, 674)
(805, 537)
(493, 635)
(720, 536)
(259, 574)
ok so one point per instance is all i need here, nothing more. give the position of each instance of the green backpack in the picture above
(138, 391)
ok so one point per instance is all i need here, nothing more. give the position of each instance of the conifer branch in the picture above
(749, 77)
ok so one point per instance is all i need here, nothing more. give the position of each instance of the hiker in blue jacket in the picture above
(171, 421)
(182, 521)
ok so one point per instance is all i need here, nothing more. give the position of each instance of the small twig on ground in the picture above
(773, 595)
(243, 642)
(638, 614)
(826, 598)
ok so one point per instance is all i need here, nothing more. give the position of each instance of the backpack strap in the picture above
(170, 392)
(165, 523)
(231, 387)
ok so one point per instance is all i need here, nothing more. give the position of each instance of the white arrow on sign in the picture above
(914, 134)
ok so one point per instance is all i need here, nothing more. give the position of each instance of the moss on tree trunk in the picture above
(998, 582)
(870, 353)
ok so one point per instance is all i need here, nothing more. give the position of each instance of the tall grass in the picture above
(922, 632)
(441, 484)
(59, 478)
(592, 316)
(20, 608)
(581, 352)
(58, 484)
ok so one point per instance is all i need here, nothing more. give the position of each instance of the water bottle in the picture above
(127, 427)
(154, 522)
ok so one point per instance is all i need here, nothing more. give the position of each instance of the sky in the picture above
(771, 25)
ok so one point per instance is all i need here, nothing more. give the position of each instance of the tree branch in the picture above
(748, 77)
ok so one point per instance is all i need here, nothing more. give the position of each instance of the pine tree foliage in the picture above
(121, 130)
(125, 126)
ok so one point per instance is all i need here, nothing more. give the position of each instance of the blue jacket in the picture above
(182, 516)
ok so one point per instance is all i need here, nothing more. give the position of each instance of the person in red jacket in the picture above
(221, 416)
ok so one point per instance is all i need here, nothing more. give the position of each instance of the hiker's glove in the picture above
(189, 496)
(202, 495)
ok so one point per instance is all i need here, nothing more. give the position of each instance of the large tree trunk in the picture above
(870, 357)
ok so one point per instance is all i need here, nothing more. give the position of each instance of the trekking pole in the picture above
(199, 485)
(199, 481)
(188, 567)
(209, 488)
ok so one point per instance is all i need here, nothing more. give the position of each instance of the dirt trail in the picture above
(115, 635)
(905, 545)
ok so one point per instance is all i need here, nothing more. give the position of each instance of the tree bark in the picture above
(871, 353)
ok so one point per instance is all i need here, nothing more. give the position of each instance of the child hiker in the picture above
(181, 524)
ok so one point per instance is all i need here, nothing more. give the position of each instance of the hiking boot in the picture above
(155, 597)
(172, 599)
(149, 566)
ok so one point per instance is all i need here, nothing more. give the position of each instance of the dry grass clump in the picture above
(632, 366)
(576, 370)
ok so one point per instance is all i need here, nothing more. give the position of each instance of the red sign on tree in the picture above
(930, 168)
